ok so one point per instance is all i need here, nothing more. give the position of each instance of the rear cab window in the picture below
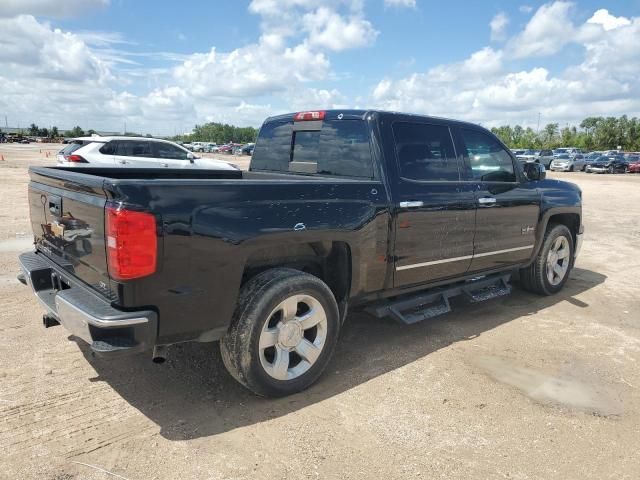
(329, 147)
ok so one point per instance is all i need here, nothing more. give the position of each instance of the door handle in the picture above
(165, 164)
(486, 200)
(413, 204)
(122, 161)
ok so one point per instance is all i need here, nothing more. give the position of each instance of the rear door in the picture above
(508, 204)
(435, 208)
(134, 154)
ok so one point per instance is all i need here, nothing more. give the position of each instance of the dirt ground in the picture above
(521, 387)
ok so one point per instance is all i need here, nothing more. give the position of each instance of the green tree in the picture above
(74, 132)
(33, 130)
(54, 132)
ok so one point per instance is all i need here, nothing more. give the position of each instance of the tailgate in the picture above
(67, 219)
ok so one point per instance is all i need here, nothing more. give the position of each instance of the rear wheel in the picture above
(283, 332)
(571, 168)
(550, 270)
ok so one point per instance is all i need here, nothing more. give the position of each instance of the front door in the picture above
(435, 210)
(508, 205)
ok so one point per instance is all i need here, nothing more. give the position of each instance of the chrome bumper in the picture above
(83, 313)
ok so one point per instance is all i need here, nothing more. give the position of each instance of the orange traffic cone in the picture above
(1, 158)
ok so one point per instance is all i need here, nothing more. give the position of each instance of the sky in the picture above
(162, 67)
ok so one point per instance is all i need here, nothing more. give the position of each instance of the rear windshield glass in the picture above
(336, 147)
(70, 148)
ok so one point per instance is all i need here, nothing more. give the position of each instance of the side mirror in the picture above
(535, 171)
(191, 157)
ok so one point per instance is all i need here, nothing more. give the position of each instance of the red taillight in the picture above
(305, 116)
(75, 159)
(132, 245)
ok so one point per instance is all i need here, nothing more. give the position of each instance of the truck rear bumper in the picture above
(108, 330)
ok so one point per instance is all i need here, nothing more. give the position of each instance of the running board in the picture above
(414, 308)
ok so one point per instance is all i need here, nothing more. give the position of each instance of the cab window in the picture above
(489, 161)
(425, 152)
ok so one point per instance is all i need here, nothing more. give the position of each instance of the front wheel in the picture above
(550, 270)
(283, 332)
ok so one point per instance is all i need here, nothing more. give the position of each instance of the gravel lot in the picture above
(522, 387)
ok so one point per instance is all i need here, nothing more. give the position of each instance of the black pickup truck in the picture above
(390, 212)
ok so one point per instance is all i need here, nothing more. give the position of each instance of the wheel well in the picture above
(329, 261)
(570, 220)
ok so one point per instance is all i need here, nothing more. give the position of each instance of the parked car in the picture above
(210, 148)
(133, 152)
(527, 155)
(607, 164)
(64, 156)
(634, 164)
(566, 151)
(247, 149)
(227, 148)
(568, 163)
(270, 261)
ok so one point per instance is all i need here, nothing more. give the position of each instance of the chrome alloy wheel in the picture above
(293, 337)
(558, 260)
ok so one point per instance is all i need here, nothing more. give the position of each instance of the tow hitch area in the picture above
(413, 308)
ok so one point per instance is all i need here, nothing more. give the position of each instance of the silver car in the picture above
(568, 163)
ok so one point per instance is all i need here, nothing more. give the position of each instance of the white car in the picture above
(133, 152)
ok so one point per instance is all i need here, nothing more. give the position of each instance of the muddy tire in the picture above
(282, 334)
(551, 268)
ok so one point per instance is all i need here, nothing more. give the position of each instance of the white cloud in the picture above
(330, 30)
(608, 21)
(50, 8)
(548, 31)
(400, 3)
(526, 9)
(312, 98)
(483, 88)
(31, 49)
(50, 76)
(498, 26)
(257, 69)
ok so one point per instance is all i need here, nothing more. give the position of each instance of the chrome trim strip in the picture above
(507, 250)
(467, 257)
(99, 322)
(435, 262)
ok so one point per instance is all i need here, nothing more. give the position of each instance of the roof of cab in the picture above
(354, 114)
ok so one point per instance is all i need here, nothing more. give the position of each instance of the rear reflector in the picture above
(75, 159)
(132, 245)
(306, 116)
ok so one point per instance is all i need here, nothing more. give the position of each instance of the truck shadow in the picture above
(192, 395)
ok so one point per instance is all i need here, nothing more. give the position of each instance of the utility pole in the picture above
(125, 128)
(538, 122)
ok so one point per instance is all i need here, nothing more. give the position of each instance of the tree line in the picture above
(219, 133)
(594, 133)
